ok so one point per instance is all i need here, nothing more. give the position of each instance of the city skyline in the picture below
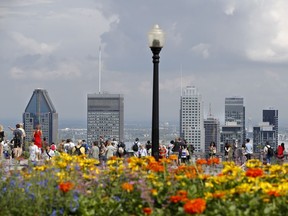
(225, 49)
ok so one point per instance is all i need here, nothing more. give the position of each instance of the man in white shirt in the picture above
(248, 149)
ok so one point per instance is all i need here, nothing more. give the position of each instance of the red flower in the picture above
(254, 172)
(175, 199)
(195, 206)
(201, 161)
(147, 210)
(66, 186)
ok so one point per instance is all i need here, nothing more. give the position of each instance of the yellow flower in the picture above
(253, 163)
(154, 192)
(243, 188)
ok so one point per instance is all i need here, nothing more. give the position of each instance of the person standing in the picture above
(143, 151)
(94, 153)
(110, 150)
(280, 153)
(136, 147)
(248, 149)
(33, 152)
(23, 136)
(226, 151)
(212, 150)
(2, 135)
(18, 141)
(78, 149)
(37, 135)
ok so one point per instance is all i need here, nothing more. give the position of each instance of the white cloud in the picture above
(229, 10)
(63, 71)
(268, 32)
(202, 49)
(32, 46)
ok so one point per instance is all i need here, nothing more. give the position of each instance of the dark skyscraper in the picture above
(105, 116)
(212, 132)
(235, 115)
(40, 110)
(271, 115)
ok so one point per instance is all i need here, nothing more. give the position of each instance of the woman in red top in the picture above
(37, 137)
(280, 152)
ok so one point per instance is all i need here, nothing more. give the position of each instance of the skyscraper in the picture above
(40, 110)
(212, 132)
(105, 116)
(267, 131)
(271, 115)
(235, 112)
(191, 118)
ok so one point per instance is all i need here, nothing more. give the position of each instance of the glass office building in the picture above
(40, 110)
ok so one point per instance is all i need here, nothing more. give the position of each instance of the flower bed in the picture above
(70, 185)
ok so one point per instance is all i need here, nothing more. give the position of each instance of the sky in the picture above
(224, 48)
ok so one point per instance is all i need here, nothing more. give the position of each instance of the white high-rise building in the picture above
(191, 118)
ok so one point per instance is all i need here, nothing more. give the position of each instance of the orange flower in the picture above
(181, 196)
(156, 167)
(66, 186)
(213, 161)
(127, 186)
(195, 206)
(218, 195)
(173, 157)
(201, 161)
(175, 199)
(147, 210)
(182, 193)
(254, 172)
(273, 193)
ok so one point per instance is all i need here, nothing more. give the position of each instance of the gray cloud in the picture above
(226, 48)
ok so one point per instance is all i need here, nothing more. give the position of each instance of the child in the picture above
(33, 151)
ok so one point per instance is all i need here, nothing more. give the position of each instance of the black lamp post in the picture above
(156, 41)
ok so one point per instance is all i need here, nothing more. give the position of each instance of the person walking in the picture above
(248, 149)
(267, 153)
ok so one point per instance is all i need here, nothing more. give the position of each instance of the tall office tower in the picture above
(235, 112)
(267, 130)
(271, 115)
(40, 110)
(105, 116)
(212, 132)
(191, 118)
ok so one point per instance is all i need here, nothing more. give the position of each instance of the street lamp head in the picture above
(156, 37)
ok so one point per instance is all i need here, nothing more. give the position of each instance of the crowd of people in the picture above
(103, 150)
(240, 154)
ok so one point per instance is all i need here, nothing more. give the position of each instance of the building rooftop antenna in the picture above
(210, 110)
(100, 67)
(181, 79)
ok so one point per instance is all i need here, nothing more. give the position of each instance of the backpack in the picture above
(120, 150)
(135, 147)
(85, 145)
(77, 151)
(17, 137)
(270, 151)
